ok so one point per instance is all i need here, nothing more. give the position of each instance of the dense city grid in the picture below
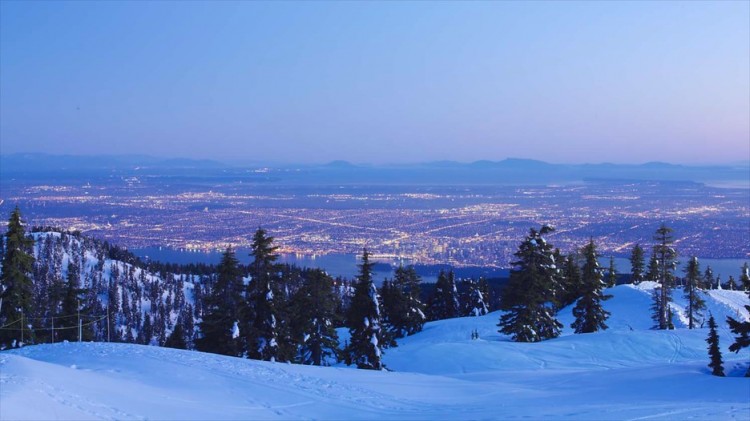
(458, 225)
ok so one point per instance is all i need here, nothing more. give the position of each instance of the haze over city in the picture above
(565, 82)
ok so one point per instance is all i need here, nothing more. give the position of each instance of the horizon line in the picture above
(337, 161)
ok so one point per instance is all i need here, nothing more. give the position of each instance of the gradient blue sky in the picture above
(378, 82)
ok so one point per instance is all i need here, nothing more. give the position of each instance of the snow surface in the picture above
(626, 372)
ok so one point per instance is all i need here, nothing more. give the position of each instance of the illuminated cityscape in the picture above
(456, 225)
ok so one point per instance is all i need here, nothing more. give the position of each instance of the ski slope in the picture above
(626, 372)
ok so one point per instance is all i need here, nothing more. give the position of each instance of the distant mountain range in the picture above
(508, 171)
(527, 171)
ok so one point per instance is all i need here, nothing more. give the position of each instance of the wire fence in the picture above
(84, 320)
(51, 328)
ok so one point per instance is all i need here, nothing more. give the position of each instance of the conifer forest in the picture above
(63, 286)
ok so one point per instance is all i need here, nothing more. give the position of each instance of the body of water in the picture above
(345, 265)
(720, 267)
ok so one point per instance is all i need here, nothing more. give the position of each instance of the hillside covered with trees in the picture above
(62, 286)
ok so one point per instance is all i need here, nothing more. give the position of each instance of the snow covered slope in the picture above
(438, 374)
(125, 290)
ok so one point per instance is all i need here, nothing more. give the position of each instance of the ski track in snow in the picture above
(732, 303)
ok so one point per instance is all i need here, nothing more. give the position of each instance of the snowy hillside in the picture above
(628, 342)
(118, 291)
(627, 372)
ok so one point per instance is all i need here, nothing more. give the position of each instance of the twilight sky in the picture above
(565, 82)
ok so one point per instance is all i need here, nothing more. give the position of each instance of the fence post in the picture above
(53, 329)
(108, 338)
(79, 320)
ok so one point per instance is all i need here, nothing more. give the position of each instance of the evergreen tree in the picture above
(652, 273)
(716, 364)
(188, 326)
(742, 330)
(560, 288)
(692, 283)
(708, 278)
(364, 348)
(411, 317)
(611, 273)
(127, 322)
(475, 301)
(655, 306)
(221, 309)
(637, 265)
(484, 287)
(392, 304)
(444, 301)
(571, 274)
(731, 284)
(113, 309)
(177, 338)
(528, 298)
(146, 334)
(665, 256)
(745, 277)
(16, 286)
(73, 297)
(589, 314)
(314, 320)
(262, 313)
(49, 291)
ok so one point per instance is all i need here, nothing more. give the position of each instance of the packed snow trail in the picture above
(95, 380)
(121, 381)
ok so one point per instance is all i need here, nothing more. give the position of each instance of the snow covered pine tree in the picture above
(692, 285)
(314, 320)
(742, 330)
(16, 287)
(714, 352)
(365, 348)
(590, 316)
(221, 309)
(529, 297)
(403, 312)
(261, 320)
(665, 257)
(475, 301)
(444, 301)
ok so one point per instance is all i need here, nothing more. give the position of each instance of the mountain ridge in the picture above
(125, 160)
